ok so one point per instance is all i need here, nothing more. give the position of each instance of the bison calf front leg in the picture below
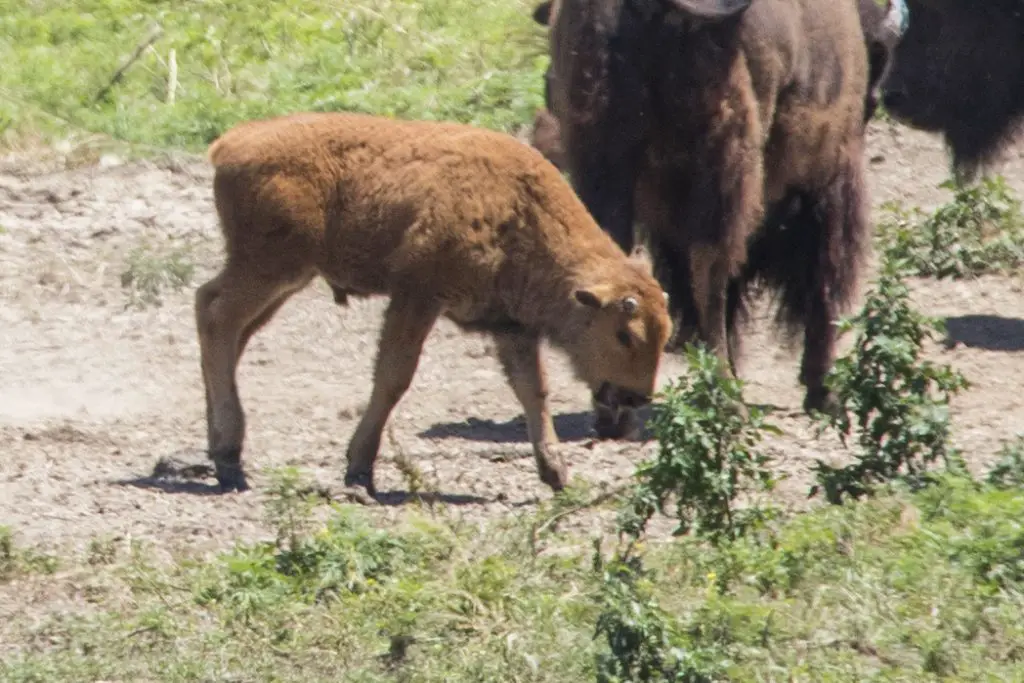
(520, 357)
(407, 323)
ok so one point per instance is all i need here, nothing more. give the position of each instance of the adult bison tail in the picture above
(812, 251)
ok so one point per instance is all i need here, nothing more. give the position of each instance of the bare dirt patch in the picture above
(94, 392)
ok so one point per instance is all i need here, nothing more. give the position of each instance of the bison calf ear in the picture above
(711, 9)
(642, 258)
(542, 13)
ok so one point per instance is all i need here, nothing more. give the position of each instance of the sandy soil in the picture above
(94, 393)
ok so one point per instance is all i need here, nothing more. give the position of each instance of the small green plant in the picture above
(707, 455)
(147, 274)
(1008, 472)
(8, 558)
(644, 643)
(290, 506)
(102, 551)
(15, 561)
(707, 458)
(898, 402)
(980, 231)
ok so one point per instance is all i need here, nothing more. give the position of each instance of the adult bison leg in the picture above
(839, 215)
(229, 309)
(709, 273)
(519, 354)
(407, 323)
(734, 315)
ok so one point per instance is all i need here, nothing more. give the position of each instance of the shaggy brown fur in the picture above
(733, 131)
(445, 219)
(959, 70)
(880, 23)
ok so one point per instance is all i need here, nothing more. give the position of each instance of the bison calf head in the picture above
(617, 349)
(958, 70)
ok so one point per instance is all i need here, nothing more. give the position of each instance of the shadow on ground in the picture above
(988, 332)
(570, 427)
(189, 473)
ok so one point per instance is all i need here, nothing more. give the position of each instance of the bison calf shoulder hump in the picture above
(444, 219)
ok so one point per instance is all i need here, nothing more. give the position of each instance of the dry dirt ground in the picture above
(94, 393)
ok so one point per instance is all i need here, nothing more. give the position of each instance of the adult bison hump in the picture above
(732, 130)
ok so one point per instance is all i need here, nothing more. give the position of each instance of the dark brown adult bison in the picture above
(882, 23)
(733, 130)
(959, 70)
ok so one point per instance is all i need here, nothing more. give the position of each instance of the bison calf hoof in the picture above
(554, 476)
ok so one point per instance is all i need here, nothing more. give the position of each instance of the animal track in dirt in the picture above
(95, 394)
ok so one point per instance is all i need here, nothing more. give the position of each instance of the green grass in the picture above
(904, 587)
(477, 61)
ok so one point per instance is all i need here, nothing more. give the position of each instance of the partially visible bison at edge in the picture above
(733, 131)
(444, 219)
(959, 70)
(883, 27)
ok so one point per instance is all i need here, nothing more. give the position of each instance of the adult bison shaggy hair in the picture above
(444, 219)
(959, 71)
(733, 131)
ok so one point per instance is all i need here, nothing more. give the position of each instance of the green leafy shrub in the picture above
(644, 643)
(1008, 472)
(980, 231)
(898, 403)
(707, 459)
(707, 455)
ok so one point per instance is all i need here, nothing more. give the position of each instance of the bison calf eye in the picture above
(624, 339)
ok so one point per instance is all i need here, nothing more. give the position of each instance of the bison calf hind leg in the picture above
(407, 323)
(519, 354)
(229, 309)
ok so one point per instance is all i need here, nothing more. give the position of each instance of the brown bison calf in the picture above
(443, 218)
